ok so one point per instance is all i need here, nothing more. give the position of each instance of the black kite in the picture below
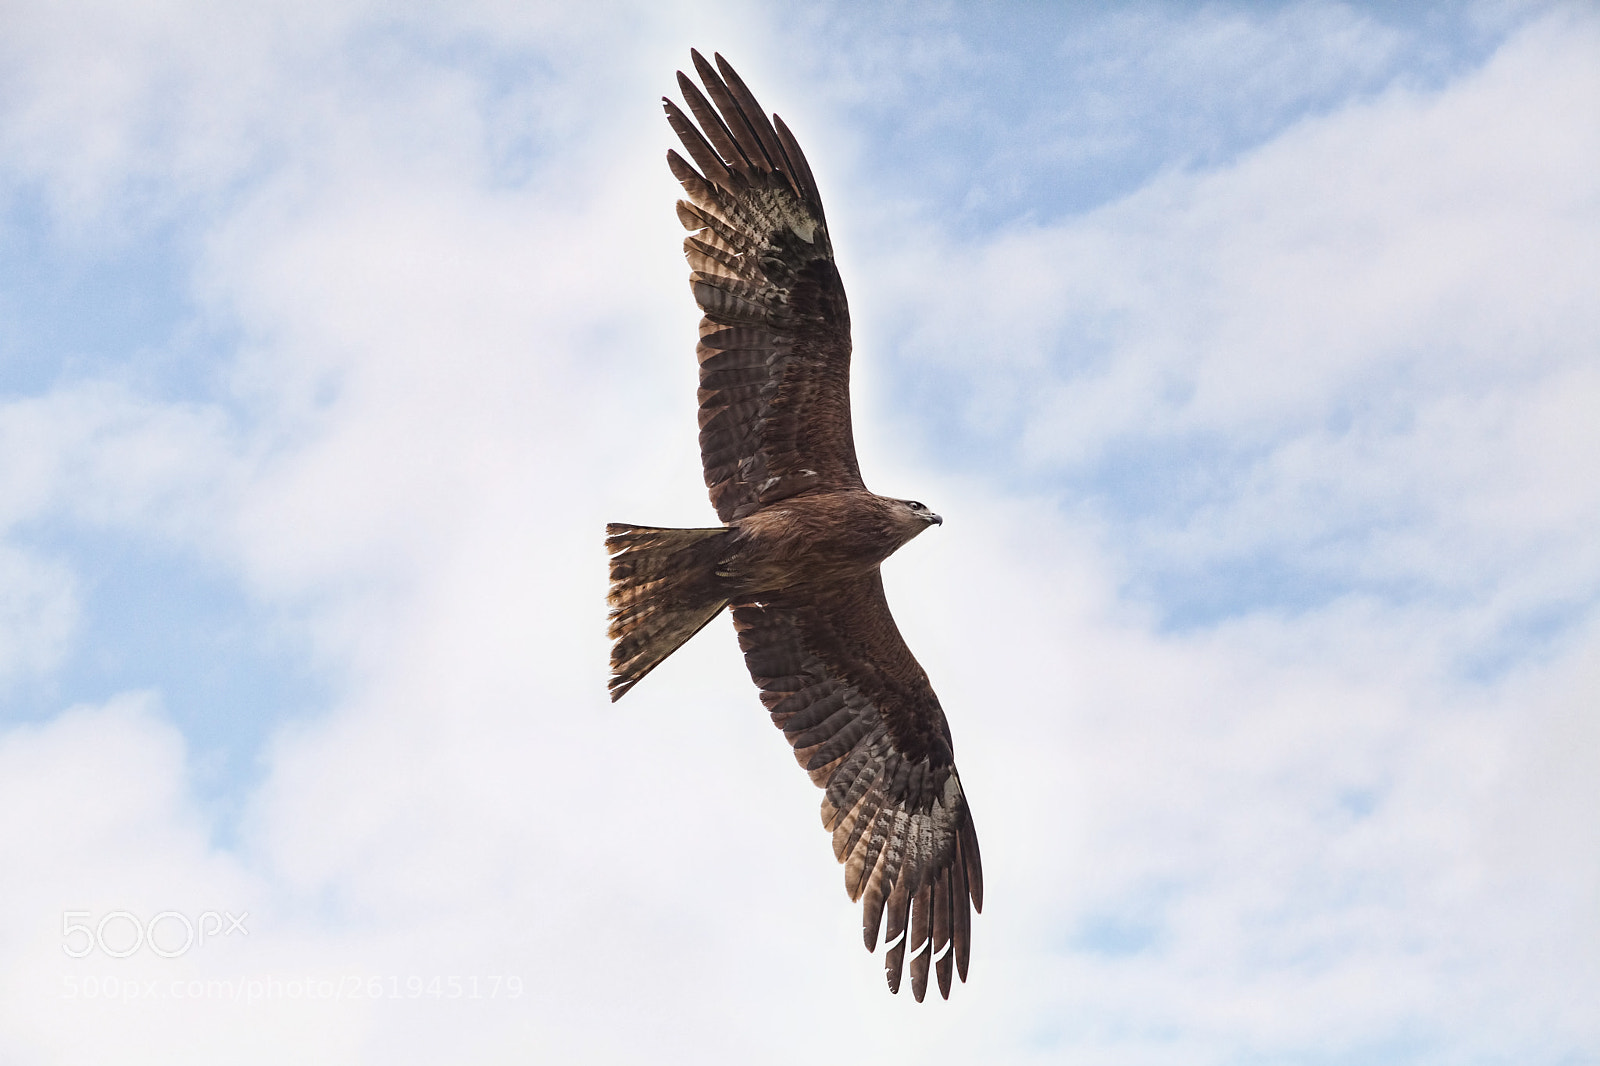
(797, 557)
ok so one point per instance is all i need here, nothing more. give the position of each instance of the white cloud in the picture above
(102, 455)
(38, 611)
(1367, 345)
(93, 456)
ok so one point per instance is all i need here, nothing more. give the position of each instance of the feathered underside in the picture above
(842, 685)
(775, 424)
(775, 340)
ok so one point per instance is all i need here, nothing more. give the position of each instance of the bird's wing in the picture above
(775, 340)
(847, 692)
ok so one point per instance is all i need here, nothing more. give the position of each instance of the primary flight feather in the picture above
(798, 554)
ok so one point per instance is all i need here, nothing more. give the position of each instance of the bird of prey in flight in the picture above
(797, 555)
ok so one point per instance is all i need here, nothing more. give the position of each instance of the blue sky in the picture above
(1247, 349)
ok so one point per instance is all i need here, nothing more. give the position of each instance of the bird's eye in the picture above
(915, 506)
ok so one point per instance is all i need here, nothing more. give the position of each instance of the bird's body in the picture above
(798, 554)
(820, 538)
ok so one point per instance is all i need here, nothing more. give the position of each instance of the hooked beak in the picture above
(934, 520)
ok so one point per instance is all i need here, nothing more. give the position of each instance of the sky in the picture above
(1250, 352)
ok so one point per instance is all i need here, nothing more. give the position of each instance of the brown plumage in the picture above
(797, 556)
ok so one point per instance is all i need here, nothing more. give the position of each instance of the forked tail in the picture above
(664, 589)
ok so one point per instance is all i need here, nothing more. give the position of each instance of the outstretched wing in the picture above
(847, 692)
(775, 340)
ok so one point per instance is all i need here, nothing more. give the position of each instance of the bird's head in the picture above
(920, 517)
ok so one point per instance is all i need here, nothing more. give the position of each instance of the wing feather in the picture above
(716, 130)
(703, 154)
(756, 120)
(921, 943)
(738, 120)
(880, 880)
(961, 917)
(839, 680)
(802, 169)
(894, 936)
(943, 923)
(762, 271)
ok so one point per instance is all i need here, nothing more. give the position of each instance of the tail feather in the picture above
(664, 589)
